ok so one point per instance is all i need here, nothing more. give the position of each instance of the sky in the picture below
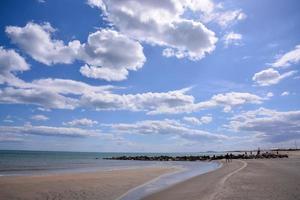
(149, 76)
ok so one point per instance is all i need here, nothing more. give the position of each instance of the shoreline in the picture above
(102, 184)
(148, 182)
(241, 179)
(164, 181)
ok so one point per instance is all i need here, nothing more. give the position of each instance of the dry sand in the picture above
(274, 179)
(102, 185)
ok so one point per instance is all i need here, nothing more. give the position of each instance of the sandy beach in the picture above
(102, 185)
(256, 179)
(274, 179)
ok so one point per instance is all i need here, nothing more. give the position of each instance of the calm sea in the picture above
(14, 162)
(23, 163)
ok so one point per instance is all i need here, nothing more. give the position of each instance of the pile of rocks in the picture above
(198, 158)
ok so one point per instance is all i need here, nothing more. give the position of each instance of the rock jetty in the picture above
(199, 158)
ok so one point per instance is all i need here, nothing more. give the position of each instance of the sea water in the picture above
(23, 163)
(14, 162)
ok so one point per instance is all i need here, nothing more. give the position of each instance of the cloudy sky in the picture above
(130, 75)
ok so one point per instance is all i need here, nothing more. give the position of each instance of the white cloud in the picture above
(205, 6)
(270, 77)
(206, 119)
(39, 117)
(67, 86)
(192, 120)
(198, 121)
(43, 109)
(70, 94)
(285, 93)
(232, 38)
(36, 41)
(108, 54)
(104, 73)
(160, 23)
(48, 131)
(10, 63)
(55, 93)
(269, 125)
(289, 58)
(167, 127)
(137, 102)
(270, 94)
(222, 17)
(96, 3)
(168, 52)
(226, 18)
(227, 101)
(35, 96)
(81, 122)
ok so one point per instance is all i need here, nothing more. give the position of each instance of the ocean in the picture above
(26, 163)
(15, 162)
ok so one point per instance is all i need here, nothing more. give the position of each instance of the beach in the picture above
(241, 179)
(252, 179)
(101, 185)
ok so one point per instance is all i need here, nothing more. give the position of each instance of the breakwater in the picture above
(200, 158)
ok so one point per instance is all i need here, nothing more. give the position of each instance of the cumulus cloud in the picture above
(160, 23)
(70, 94)
(10, 63)
(289, 58)
(81, 122)
(270, 77)
(167, 127)
(39, 117)
(232, 39)
(138, 102)
(171, 102)
(36, 41)
(227, 101)
(269, 125)
(108, 54)
(198, 121)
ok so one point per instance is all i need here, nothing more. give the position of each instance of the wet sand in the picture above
(102, 185)
(273, 179)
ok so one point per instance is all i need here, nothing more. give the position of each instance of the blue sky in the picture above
(100, 75)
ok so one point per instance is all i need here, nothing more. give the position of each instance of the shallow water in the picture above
(189, 170)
